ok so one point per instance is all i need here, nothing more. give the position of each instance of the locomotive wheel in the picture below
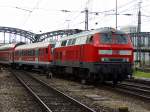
(101, 79)
(83, 81)
(115, 80)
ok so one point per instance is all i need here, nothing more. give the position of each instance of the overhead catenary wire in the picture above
(106, 11)
(77, 18)
(31, 11)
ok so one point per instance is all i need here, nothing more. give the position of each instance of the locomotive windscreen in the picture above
(114, 38)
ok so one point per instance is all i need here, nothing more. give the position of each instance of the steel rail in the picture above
(135, 90)
(45, 106)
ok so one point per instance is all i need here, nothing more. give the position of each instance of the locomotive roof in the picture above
(33, 45)
(7, 46)
(91, 32)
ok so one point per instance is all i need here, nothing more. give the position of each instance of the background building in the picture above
(129, 29)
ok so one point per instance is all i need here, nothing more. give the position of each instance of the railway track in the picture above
(48, 97)
(136, 89)
(139, 81)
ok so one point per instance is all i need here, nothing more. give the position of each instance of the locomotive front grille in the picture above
(114, 59)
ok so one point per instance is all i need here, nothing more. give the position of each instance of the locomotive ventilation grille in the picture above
(114, 59)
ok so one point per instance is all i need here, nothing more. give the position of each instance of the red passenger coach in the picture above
(99, 55)
(6, 53)
(35, 55)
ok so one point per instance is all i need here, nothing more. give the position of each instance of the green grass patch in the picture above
(141, 74)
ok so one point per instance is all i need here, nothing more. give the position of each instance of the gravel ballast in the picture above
(14, 97)
(99, 98)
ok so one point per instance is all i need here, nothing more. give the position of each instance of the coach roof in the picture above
(7, 46)
(33, 45)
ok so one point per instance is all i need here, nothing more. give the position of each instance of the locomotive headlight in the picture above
(125, 52)
(109, 52)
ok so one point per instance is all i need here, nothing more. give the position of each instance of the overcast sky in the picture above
(49, 15)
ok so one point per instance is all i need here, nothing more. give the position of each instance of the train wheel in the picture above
(83, 81)
(101, 79)
(115, 80)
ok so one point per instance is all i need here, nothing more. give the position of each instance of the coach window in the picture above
(40, 52)
(16, 53)
(52, 45)
(19, 53)
(26, 53)
(22, 53)
(43, 51)
(29, 52)
(33, 52)
(36, 52)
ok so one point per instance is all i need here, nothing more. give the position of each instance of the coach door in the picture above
(36, 55)
(11, 56)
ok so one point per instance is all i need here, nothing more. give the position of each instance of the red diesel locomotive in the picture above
(100, 55)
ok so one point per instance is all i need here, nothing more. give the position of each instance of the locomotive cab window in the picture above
(121, 39)
(106, 38)
(109, 38)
